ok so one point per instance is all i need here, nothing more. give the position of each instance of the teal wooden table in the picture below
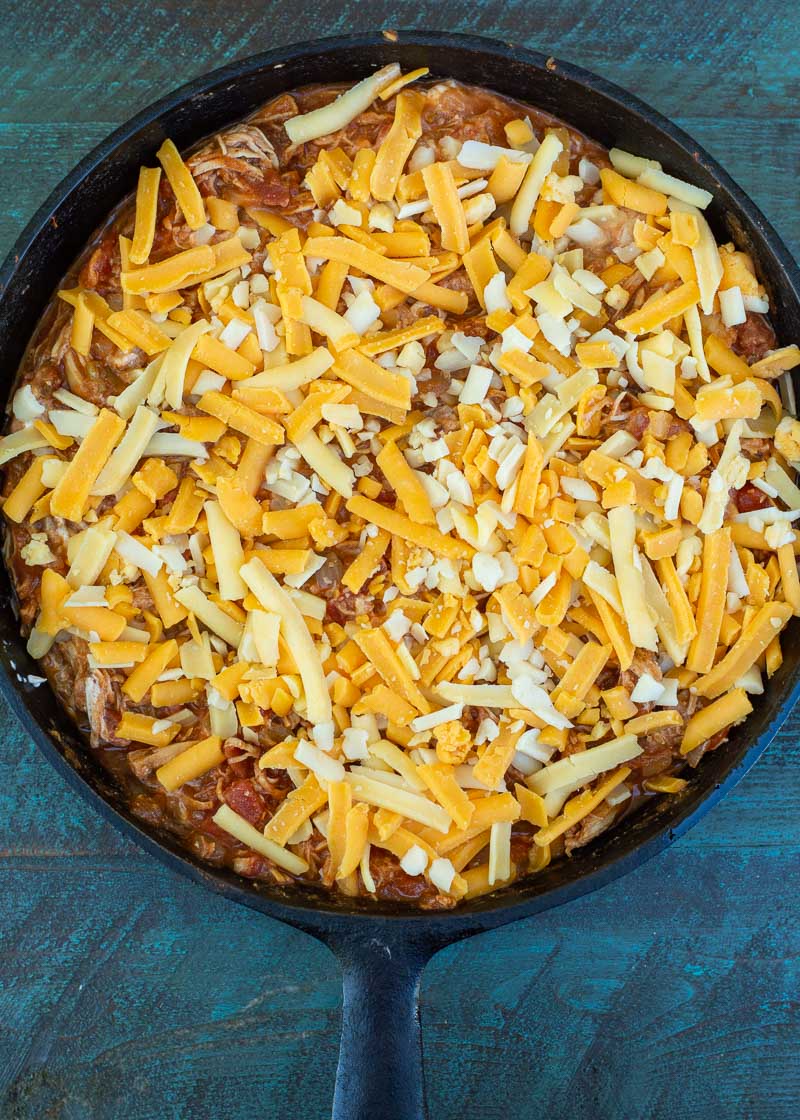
(125, 992)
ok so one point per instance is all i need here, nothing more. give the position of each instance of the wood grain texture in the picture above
(124, 991)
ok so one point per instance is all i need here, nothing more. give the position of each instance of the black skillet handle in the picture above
(379, 1076)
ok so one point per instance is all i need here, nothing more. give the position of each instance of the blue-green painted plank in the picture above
(125, 991)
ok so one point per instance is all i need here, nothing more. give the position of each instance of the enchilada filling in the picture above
(401, 488)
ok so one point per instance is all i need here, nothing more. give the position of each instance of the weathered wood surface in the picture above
(124, 991)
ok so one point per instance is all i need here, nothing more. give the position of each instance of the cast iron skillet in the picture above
(382, 947)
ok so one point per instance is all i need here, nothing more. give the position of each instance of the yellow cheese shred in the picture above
(356, 832)
(629, 578)
(236, 415)
(173, 272)
(401, 275)
(146, 211)
(140, 330)
(368, 377)
(217, 356)
(82, 326)
(397, 146)
(300, 804)
(340, 800)
(362, 567)
(399, 525)
(391, 340)
(339, 113)
(409, 490)
(295, 631)
(711, 602)
(244, 832)
(377, 648)
(722, 713)
(660, 308)
(72, 492)
(496, 758)
(322, 459)
(28, 490)
(528, 194)
(180, 179)
(440, 780)
(448, 208)
(145, 675)
(763, 628)
(580, 807)
(129, 451)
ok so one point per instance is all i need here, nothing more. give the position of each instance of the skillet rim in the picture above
(309, 909)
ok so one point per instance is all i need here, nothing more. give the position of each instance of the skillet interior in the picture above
(60, 229)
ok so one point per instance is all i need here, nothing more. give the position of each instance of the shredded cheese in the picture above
(527, 195)
(273, 597)
(401, 275)
(243, 831)
(146, 212)
(180, 179)
(622, 529)
(339, 113)
(586, 765)
(71, 493)
(414, 476)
